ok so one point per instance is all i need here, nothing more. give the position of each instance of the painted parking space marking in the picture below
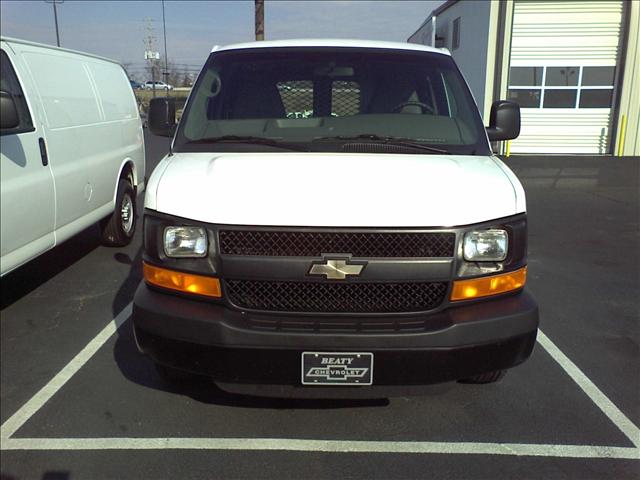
(30, 408)
(614, 414)
(36, 402)
(325, 446)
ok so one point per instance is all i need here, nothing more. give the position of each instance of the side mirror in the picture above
(504, 121)
(161, 117)
(8, 111)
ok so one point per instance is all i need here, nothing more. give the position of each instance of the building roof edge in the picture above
(435, 13)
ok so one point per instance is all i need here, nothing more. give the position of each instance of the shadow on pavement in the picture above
(127, 289)
(30, 276)
(56, 475)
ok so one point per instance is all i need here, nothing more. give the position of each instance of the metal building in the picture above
(573, 66)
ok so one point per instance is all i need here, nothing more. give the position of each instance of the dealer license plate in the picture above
(337, 368)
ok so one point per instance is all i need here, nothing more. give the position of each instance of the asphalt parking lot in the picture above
(78, 401)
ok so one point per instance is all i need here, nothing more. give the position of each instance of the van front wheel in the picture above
(118, 229)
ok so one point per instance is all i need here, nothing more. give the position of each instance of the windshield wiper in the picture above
(387, 140)
(251, 140)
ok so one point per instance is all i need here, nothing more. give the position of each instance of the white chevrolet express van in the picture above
(331, 221)
(72, 151)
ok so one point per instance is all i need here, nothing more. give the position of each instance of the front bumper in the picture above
(214, 340)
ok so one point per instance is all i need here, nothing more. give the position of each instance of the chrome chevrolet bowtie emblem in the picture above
(336, 269)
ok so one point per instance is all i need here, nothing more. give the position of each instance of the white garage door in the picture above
(562, 72)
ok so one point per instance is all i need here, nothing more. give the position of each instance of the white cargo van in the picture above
(331, 221)
(72, 150)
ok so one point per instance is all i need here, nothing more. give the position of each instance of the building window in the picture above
(554, 98)
(600, 98)
(526, 97)
(561, 87)
(596, 76)
(562, 76)
(526, 76)
(455, 40)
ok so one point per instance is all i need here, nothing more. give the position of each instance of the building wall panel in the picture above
(572, 34)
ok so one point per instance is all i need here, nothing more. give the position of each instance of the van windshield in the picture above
(327, 99)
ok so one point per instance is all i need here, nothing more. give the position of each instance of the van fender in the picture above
(127, 169)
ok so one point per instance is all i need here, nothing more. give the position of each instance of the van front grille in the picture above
(338, 297)
(297, 243)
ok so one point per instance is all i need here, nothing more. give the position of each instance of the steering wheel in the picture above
(425, 107)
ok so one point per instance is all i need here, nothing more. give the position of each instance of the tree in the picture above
(172, 74)
(176, 76)
(127, 67)
(186, 78)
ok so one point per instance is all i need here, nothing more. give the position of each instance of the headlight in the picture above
(485, 245)
(185, 242)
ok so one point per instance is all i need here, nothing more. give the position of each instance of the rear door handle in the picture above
(43, 152)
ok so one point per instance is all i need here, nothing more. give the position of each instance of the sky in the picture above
(117, 29)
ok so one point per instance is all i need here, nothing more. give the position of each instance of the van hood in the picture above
(334, 190)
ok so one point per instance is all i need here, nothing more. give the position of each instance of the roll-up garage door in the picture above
(562, 73)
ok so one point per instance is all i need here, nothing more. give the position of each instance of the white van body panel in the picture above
(90, 107)
(333, 189)
(151, 187)
(27, 193)
(521, 200)
(85, 110)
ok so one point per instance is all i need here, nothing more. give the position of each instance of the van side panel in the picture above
(73, 127)
(119, 107)
(114, 90)
(92, 126)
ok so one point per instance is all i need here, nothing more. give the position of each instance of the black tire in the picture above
(118, 229)
(489, 377)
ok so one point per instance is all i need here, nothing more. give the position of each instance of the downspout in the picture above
(616, 120)
(497, 76)
(433, 31)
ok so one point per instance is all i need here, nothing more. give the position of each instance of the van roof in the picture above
(53, 47)
(330, 42)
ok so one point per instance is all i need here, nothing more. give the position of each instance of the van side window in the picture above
(9, 83)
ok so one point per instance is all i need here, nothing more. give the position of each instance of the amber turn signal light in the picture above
(487, 286)
(182, 282)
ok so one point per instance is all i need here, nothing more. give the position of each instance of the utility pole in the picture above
(259, 19)
(150, 53)
(165, 74)
(55, 16)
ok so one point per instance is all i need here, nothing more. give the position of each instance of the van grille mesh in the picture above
(291, 243)
(335, 297)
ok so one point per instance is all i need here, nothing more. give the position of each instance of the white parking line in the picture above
(56, 383)
(330, 446)
(618, 418)
(338, 446)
